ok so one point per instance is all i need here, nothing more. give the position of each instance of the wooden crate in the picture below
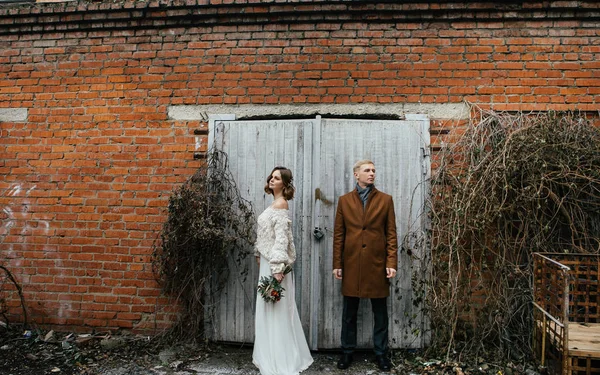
(566, 316)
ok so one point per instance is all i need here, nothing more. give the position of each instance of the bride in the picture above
(280, 347)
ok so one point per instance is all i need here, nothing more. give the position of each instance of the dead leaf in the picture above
(49, 336)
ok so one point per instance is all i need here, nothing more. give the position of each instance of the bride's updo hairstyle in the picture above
(288, 183)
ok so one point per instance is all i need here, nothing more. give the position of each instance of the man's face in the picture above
(365, 175)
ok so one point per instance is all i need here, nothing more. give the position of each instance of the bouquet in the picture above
(270, 289)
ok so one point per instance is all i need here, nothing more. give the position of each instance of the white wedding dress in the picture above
(280, 347)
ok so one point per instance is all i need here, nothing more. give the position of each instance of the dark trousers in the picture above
(380, 326)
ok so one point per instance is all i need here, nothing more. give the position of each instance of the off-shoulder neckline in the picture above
(278, 209)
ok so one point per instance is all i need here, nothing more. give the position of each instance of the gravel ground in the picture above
(37, 353)
(238, 361)
(50, 353)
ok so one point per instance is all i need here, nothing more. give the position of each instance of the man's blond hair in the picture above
(360, 163)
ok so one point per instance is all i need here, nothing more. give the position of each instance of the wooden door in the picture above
(399, 150)
(321, 153)
(254, 149)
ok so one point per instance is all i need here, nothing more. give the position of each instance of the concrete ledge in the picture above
(434, 111)
(13, 114)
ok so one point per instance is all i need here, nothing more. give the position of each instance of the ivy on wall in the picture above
(209, 226)
(514, 184)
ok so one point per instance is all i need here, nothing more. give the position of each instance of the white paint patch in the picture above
(13, 114)
(198, 143)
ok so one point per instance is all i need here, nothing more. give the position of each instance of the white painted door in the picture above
(399, 150)
(254, 149)
(321, 153)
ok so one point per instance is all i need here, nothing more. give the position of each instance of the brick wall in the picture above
(85, 177)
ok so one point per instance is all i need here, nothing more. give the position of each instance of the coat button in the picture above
(364, 228)
(364, 245)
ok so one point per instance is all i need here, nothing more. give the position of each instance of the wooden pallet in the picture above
(566, 313)
(584, 339)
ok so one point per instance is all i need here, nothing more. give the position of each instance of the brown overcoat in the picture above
(365, 244)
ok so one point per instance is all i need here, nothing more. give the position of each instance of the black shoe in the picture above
(345, 361)
(383, 363)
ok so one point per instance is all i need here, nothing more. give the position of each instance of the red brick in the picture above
(104, 156)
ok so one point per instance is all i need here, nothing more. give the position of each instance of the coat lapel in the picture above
(370, 200)
(358, 204)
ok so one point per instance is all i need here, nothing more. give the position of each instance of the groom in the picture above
(365, 258)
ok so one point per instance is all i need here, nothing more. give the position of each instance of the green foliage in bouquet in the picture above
(270, 289)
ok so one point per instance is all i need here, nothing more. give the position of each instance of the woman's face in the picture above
(276, 183)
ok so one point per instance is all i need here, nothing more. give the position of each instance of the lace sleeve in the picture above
(279, 255)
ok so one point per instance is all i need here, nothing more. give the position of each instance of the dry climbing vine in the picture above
(514, 184)
(9, 285)
(209, 228)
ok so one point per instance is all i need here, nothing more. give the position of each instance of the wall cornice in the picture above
(86, 16)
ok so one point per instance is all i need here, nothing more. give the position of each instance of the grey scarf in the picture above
(364, 193)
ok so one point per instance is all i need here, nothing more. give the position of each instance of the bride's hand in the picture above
(278, 276)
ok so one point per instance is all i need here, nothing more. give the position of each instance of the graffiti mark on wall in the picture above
(13, 217)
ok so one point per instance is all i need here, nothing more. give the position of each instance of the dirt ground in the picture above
(41, 353)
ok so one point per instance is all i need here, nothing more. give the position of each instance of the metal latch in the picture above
(318, 233)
